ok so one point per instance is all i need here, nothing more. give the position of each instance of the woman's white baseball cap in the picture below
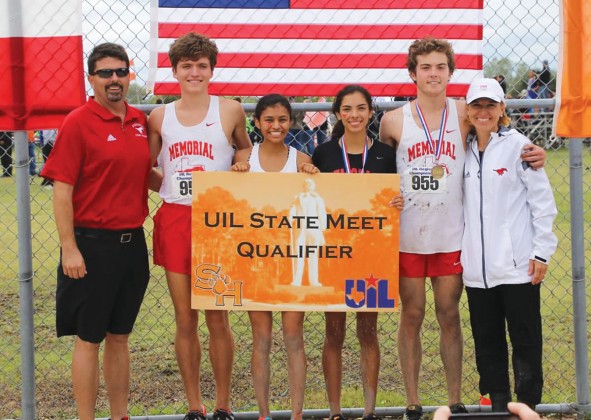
(485, 88)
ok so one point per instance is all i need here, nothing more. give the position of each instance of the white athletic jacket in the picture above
(509, 210)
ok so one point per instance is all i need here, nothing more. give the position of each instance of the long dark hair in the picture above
(339, 129)
(270, 100)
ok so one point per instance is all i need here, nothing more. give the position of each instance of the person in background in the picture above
(47, 138)
(6, 145)
(544, 80)
(32, 138)
(502, 82)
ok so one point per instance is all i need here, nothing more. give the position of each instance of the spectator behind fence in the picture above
(297, 137)
(47, 138)
(100, 204)
(273, 117)
(544, 81)
(350, 150)
(6, 145)
(219, 124)
(533, 84)
(431, 229)
(508, 241)
(502, 82)
(32, 138)
(317, 122)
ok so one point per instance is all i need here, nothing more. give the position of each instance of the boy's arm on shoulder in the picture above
(391, 127)
(534, 155)
(154, 130)
(237, 116)
(464, 125)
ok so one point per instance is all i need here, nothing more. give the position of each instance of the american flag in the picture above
(315, 47)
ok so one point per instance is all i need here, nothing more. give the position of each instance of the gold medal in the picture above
(437, 172)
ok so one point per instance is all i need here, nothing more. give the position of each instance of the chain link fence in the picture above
(518, 38)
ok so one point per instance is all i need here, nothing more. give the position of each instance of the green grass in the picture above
(156, 384)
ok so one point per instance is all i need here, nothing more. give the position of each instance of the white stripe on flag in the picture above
(295, 46)
(265, 75)
(322, 16)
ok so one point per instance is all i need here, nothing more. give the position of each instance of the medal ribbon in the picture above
(436, 150)
(346, 157)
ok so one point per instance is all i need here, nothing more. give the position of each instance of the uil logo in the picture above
(370, 292)
(211, 277)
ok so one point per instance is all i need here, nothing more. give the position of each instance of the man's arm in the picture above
(154, 130)
(72, 260)
(391, 127)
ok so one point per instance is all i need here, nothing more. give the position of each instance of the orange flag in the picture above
(573, 99)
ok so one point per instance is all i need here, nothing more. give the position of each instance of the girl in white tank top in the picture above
(273, 118)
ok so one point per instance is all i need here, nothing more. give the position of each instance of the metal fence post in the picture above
(25, 273)
(578, 272)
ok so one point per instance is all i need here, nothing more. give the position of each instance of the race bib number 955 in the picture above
(182, 184)
(421, 180)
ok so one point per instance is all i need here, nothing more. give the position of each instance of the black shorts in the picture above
(109, 297)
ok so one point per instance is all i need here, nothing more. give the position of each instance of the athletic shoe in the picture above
(371, 416)
(338, 416)
(265, 418)
(195, 415)
(413, 412)
(221, 414)
(458, 408)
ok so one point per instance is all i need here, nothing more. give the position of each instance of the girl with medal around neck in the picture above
(273, 116)
(350, 150)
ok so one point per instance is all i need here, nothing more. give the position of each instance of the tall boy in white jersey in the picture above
(429, 134)
(195, 133)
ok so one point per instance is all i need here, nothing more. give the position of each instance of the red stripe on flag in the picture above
(42, 81)
(387, 4)
(314, 31)
(308, 89)
(322, 61)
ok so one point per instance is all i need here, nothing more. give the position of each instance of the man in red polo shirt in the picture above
(101, 167)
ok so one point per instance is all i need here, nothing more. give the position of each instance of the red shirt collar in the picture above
(131, 113)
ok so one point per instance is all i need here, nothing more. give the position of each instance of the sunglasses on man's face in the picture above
(108, 73)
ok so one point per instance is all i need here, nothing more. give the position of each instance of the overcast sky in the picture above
(524, 30)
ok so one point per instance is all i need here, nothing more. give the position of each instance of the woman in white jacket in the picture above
(509, 210)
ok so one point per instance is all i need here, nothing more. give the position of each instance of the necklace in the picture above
(437, 170)
(346, 162)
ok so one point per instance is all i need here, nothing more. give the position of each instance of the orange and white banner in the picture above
(294, 242)
(573, 98)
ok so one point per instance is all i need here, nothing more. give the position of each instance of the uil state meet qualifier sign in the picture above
(294, 242)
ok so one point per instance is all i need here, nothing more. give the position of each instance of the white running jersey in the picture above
(202, 147)
(291, 166)
(433, 219)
